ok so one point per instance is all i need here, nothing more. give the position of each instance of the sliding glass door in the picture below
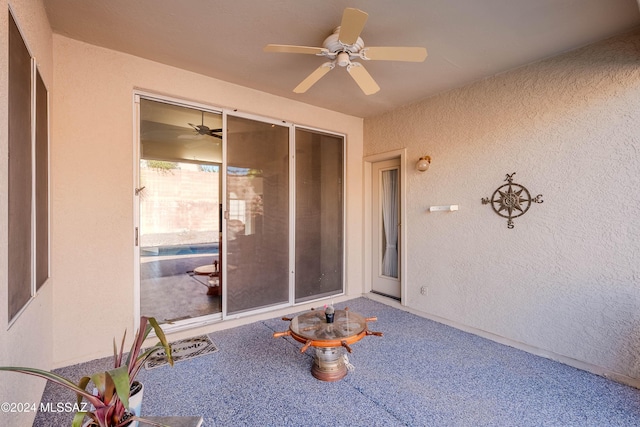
(236, 214)
(257, 215)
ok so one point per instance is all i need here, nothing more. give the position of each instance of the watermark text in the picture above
(20, 407)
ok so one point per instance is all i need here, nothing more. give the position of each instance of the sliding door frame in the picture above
(226, 112)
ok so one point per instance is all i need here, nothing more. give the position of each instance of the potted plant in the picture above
(110, 401)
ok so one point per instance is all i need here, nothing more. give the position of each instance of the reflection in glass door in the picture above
(257, 212)
(179, 198)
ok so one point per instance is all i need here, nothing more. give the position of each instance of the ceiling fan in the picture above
(205, 130)
(345, 45)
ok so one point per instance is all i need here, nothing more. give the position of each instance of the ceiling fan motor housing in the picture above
(335, 47)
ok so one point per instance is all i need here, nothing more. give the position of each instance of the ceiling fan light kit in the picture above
(344, 46)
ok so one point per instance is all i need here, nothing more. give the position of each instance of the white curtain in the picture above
(390, 222)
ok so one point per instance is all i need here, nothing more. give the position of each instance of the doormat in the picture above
(182, 350)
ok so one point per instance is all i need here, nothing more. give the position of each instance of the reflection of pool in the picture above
(196, 249)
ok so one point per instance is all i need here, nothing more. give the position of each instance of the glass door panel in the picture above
(386, 222)
(179, 197)
(257, 211)
(319, 220)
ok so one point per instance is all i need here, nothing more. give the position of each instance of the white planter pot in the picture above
(135, 404)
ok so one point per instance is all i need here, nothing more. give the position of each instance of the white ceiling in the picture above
(467, 40)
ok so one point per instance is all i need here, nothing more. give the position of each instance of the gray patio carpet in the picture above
(421, 373)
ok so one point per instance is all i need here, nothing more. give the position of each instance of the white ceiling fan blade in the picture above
(314, 77)
(353, 21)
(283, 48)
(408, 54)
(363, 78)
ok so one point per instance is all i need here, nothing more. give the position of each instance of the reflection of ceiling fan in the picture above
(343, 46)
(205, 130)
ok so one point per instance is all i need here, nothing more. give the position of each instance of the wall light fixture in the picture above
(423, 163)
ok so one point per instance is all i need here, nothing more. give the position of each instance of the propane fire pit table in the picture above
(330, 334)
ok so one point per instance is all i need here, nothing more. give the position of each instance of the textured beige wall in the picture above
(92, 168)
(29, 340)
(566, 279)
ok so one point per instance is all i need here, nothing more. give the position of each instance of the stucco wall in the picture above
(28, 340)
(92, 180)
(566, 278)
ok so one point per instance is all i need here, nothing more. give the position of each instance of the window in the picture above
(28, 230)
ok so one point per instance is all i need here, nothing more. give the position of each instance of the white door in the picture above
(386, 228)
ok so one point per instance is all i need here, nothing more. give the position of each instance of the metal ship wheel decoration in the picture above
(511, 200)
